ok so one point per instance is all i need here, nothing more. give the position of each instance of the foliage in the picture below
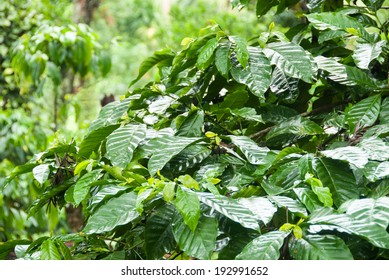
(275, 148)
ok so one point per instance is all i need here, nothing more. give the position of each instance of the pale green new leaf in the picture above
(291, 59)
(253, 153)
(49, 251)
(222, 59)
(261, 207)
(292, 205)
(167, 148)
(188, 204)
(319, 247)
(351, 154)
(365, 53)
(159, 238)
(116, 212)
(257, 76)
(338, 177)
(200, 243)
(230, 208)
(83, 185)
(264, 247)
(206, 53)
(41, 173)
(364, 113)
(122, 142)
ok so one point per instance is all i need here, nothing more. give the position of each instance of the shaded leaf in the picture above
(193, 125)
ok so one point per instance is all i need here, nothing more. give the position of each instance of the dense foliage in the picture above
(275, 148)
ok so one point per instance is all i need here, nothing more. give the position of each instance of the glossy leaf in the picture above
(261, 207)
(375, 148)
(292, 205)
(93, 140)
(230, 208)
(206, 53)
(82, 187)
(41, 173)
(364, 113)
(117, 211)
(337, 176)
(200, 243)
(189, 157)
(250, 149)
(256, 76)
(373, 4)
(291, 59)
(320, 247)
(49, 251)
(264, 247)
(159, 238)
(308, 198)
(188, 204)
(353, 155)
(222, 59)
(193, 125)
(365, 53)
(240, 48)
(122, 142)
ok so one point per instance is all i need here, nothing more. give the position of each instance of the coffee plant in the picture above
(275, 148)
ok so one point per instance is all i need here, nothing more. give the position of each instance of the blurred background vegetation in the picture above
(61, 60)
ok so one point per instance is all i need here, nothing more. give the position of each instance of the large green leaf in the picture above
(253, 153)
(167, 148)
(338, 177)
(375, 171)
(291, 59)
(373, 4)
(93, 140)
(284, 87)
(292, 205)
(319, 247)
(247, 113)
(344, 74)
(159, 238)
(365, 53)
(353, 155)
(188, 204)
(257, 75)
(261, 207)
(265, 247)
(122, 142)
(200, 243)
(375, 148)
(308, 198)
(193, 125)
(117, 211)
(206, 53)
(159, 57)
(230, 208)
(83, 185)
(49, 251)
(222, 59)
(189, 157)
(364, 113)
(241, 50)
(263, 6)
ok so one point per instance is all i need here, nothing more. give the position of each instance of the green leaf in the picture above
(240, 48)
(159, 238)
(344, 74)
(230, 208)
(193, 125)
(373, 4)
(169, 191)
(364, 113)
(159, 57)
(253, 153)
(115, 256)
(19, 170)
(188, 158)
(168, 147)
(320, 247)
(200, 243)
(384, 114)
(188, 204)
(308, 198)
(49, 251)
(263, 6)
(122, 142)
(375, 148)
(353, 155)
(257, 76)
(222, 59)
(206, 53)
(338, 177)
(261, 207)
(117, 211)
(365, 53)
(375, 171)
(285, 88)
(265, 247)
(292, 205)
(41, 173)
(291, 59)
(83, 185)
(93, 140)
(248, 114)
